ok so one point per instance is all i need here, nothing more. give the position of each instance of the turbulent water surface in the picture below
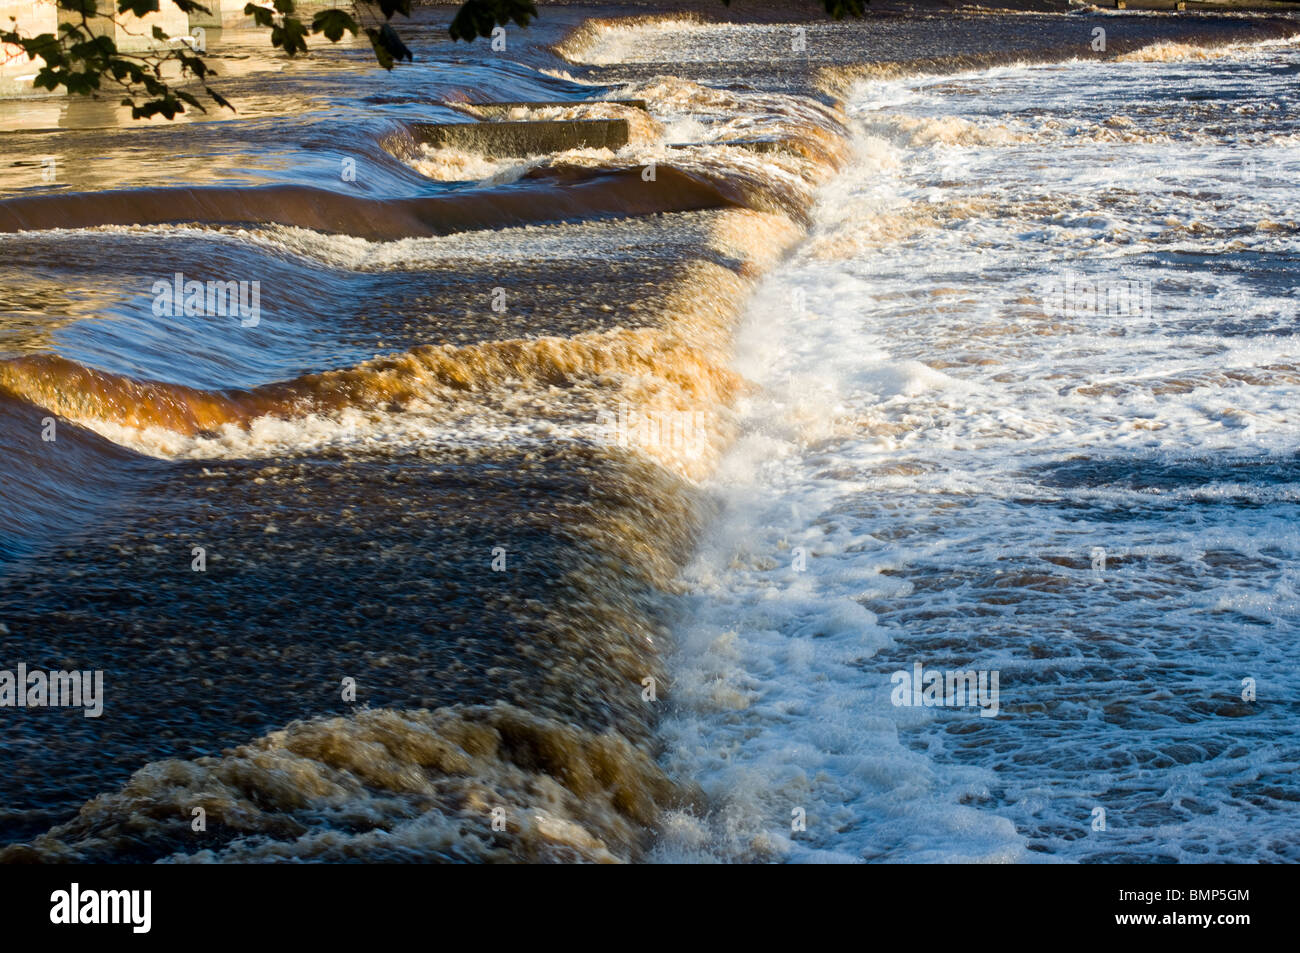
(621, 484)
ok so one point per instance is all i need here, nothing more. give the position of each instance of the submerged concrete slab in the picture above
(753, 145)
(525, 138)
(495, 109)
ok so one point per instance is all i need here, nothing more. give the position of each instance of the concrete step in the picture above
(524, 138)
(492, 109)
(753, 145)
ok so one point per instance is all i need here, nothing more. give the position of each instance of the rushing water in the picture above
(1096, 498)
(619, 541)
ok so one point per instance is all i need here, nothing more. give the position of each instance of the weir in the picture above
(502, 108)
(559, 395)
(525, 138)
(752, 145)
(609, 195)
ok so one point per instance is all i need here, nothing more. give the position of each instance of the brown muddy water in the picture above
(380, 561)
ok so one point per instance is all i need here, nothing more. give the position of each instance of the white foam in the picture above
(949, 454)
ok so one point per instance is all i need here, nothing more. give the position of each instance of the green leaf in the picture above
(193, 64)
(333, 23)
(291, 35)
(188, 98)
(839, 9)
(388, 46)
(389, 7)
(218, 98)
(381, 52)
(477, 17)
(137, 7)
(261, 16)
